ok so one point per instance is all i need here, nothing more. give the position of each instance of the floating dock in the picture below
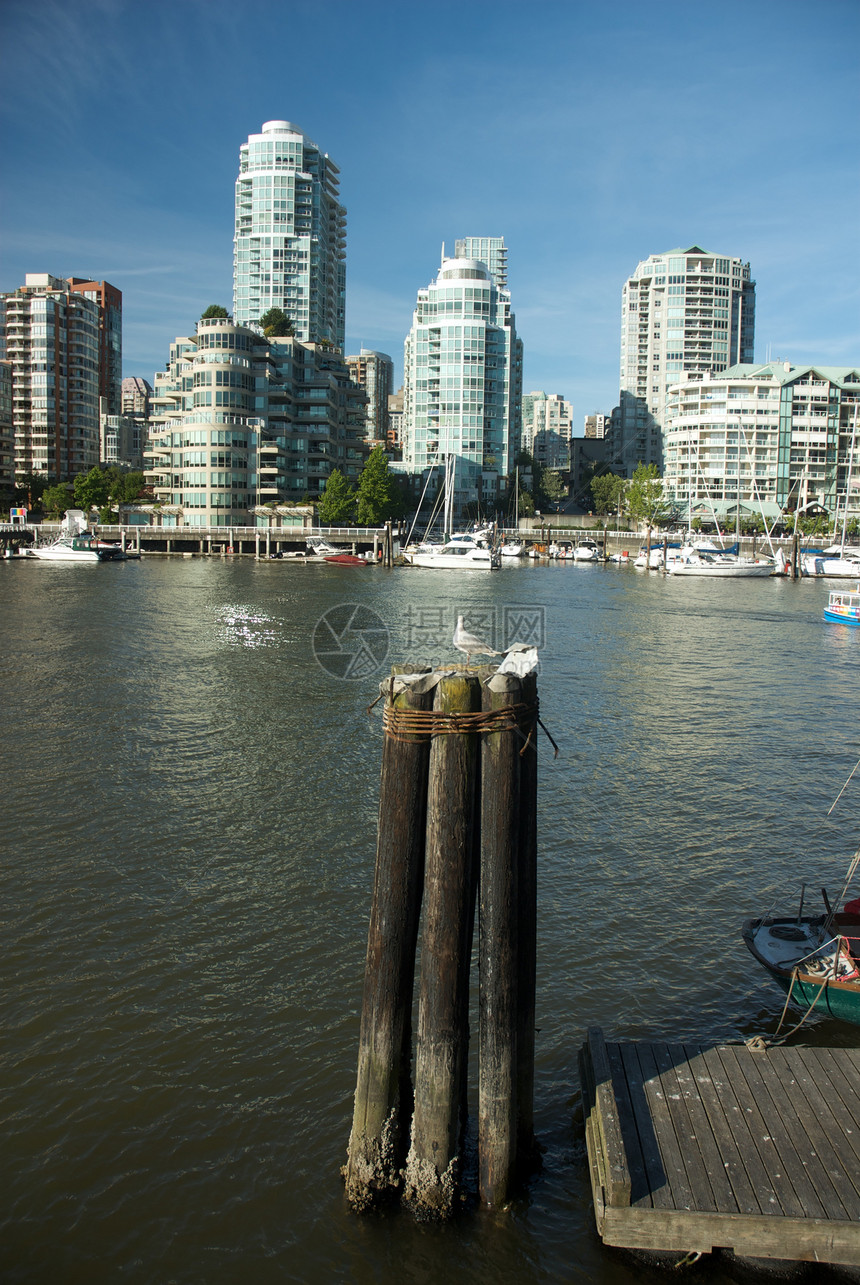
(693, 1149)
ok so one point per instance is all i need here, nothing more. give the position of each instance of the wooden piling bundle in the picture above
(457, 814)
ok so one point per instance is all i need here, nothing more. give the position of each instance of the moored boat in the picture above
(816, 959)
(70, 548)
(458, 554)
(836, 562)
(843, 606)
(586, 550)
(693, 562)
(348, 560)
(321, 548)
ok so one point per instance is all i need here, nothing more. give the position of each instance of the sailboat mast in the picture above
(848, 479)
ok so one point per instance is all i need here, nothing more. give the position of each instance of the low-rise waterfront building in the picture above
(240, 421)
(775, 437)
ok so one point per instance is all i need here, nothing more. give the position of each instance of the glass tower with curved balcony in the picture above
(462, 383)
(289, 247)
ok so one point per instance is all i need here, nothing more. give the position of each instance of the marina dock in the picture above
(695, 1148)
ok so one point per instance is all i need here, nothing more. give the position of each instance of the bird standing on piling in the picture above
(470, 643)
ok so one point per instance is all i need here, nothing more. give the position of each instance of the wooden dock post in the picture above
(497, 949)
(434, 1156)
(527, 1152)
(383, 1097)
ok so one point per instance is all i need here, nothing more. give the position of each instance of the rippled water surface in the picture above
(189, 826)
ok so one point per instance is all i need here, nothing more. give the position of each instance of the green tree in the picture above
(645, 499)
(214, 310)
(552, 487)
(29, 489)
(526, 505)
(276, 324)
(337, 502)
(92, 490)
(607, 490)
(56, 499)
(376, 498)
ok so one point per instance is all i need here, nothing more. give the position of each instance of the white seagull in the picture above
(470, 643)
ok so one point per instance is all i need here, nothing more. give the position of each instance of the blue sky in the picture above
(588, 136)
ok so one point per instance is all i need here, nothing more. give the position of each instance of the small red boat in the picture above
(348, 559)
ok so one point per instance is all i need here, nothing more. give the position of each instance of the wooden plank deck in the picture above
(694, 1148)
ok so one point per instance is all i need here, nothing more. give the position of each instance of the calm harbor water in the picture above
(189, 829)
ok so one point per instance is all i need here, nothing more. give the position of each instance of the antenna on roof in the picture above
(442, 260)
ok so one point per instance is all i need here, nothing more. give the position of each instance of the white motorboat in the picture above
(586, 551)
(512, 549)
(321, 548)
(655, 555)
(70, 548)
(460, 553)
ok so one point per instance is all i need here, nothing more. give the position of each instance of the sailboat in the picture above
(815, 958)
(835, 561)
(467, 551)
(693, 560)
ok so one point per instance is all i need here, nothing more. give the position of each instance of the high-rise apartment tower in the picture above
(463, 381)
(683, 311)
(374, 372)
(290, 237)
(63, 340)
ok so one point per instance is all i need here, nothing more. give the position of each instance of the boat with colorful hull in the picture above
(815, 959)
(843, 607)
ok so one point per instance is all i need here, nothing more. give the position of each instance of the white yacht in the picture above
(586, 550)
(465, 552)
(69, 548)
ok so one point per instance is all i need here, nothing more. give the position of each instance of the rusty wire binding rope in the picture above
(413, 724)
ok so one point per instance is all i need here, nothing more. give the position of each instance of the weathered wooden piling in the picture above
(439, 1110)
(497, 946)
(527, 1153)
(458, 810)
(383, 1096)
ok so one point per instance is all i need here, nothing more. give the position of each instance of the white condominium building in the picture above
(683, 311)
(463, 381)
(547, 427)
(290, 238)
(240, 422)
(773, 438)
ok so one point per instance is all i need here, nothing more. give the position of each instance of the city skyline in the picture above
(619, 135)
